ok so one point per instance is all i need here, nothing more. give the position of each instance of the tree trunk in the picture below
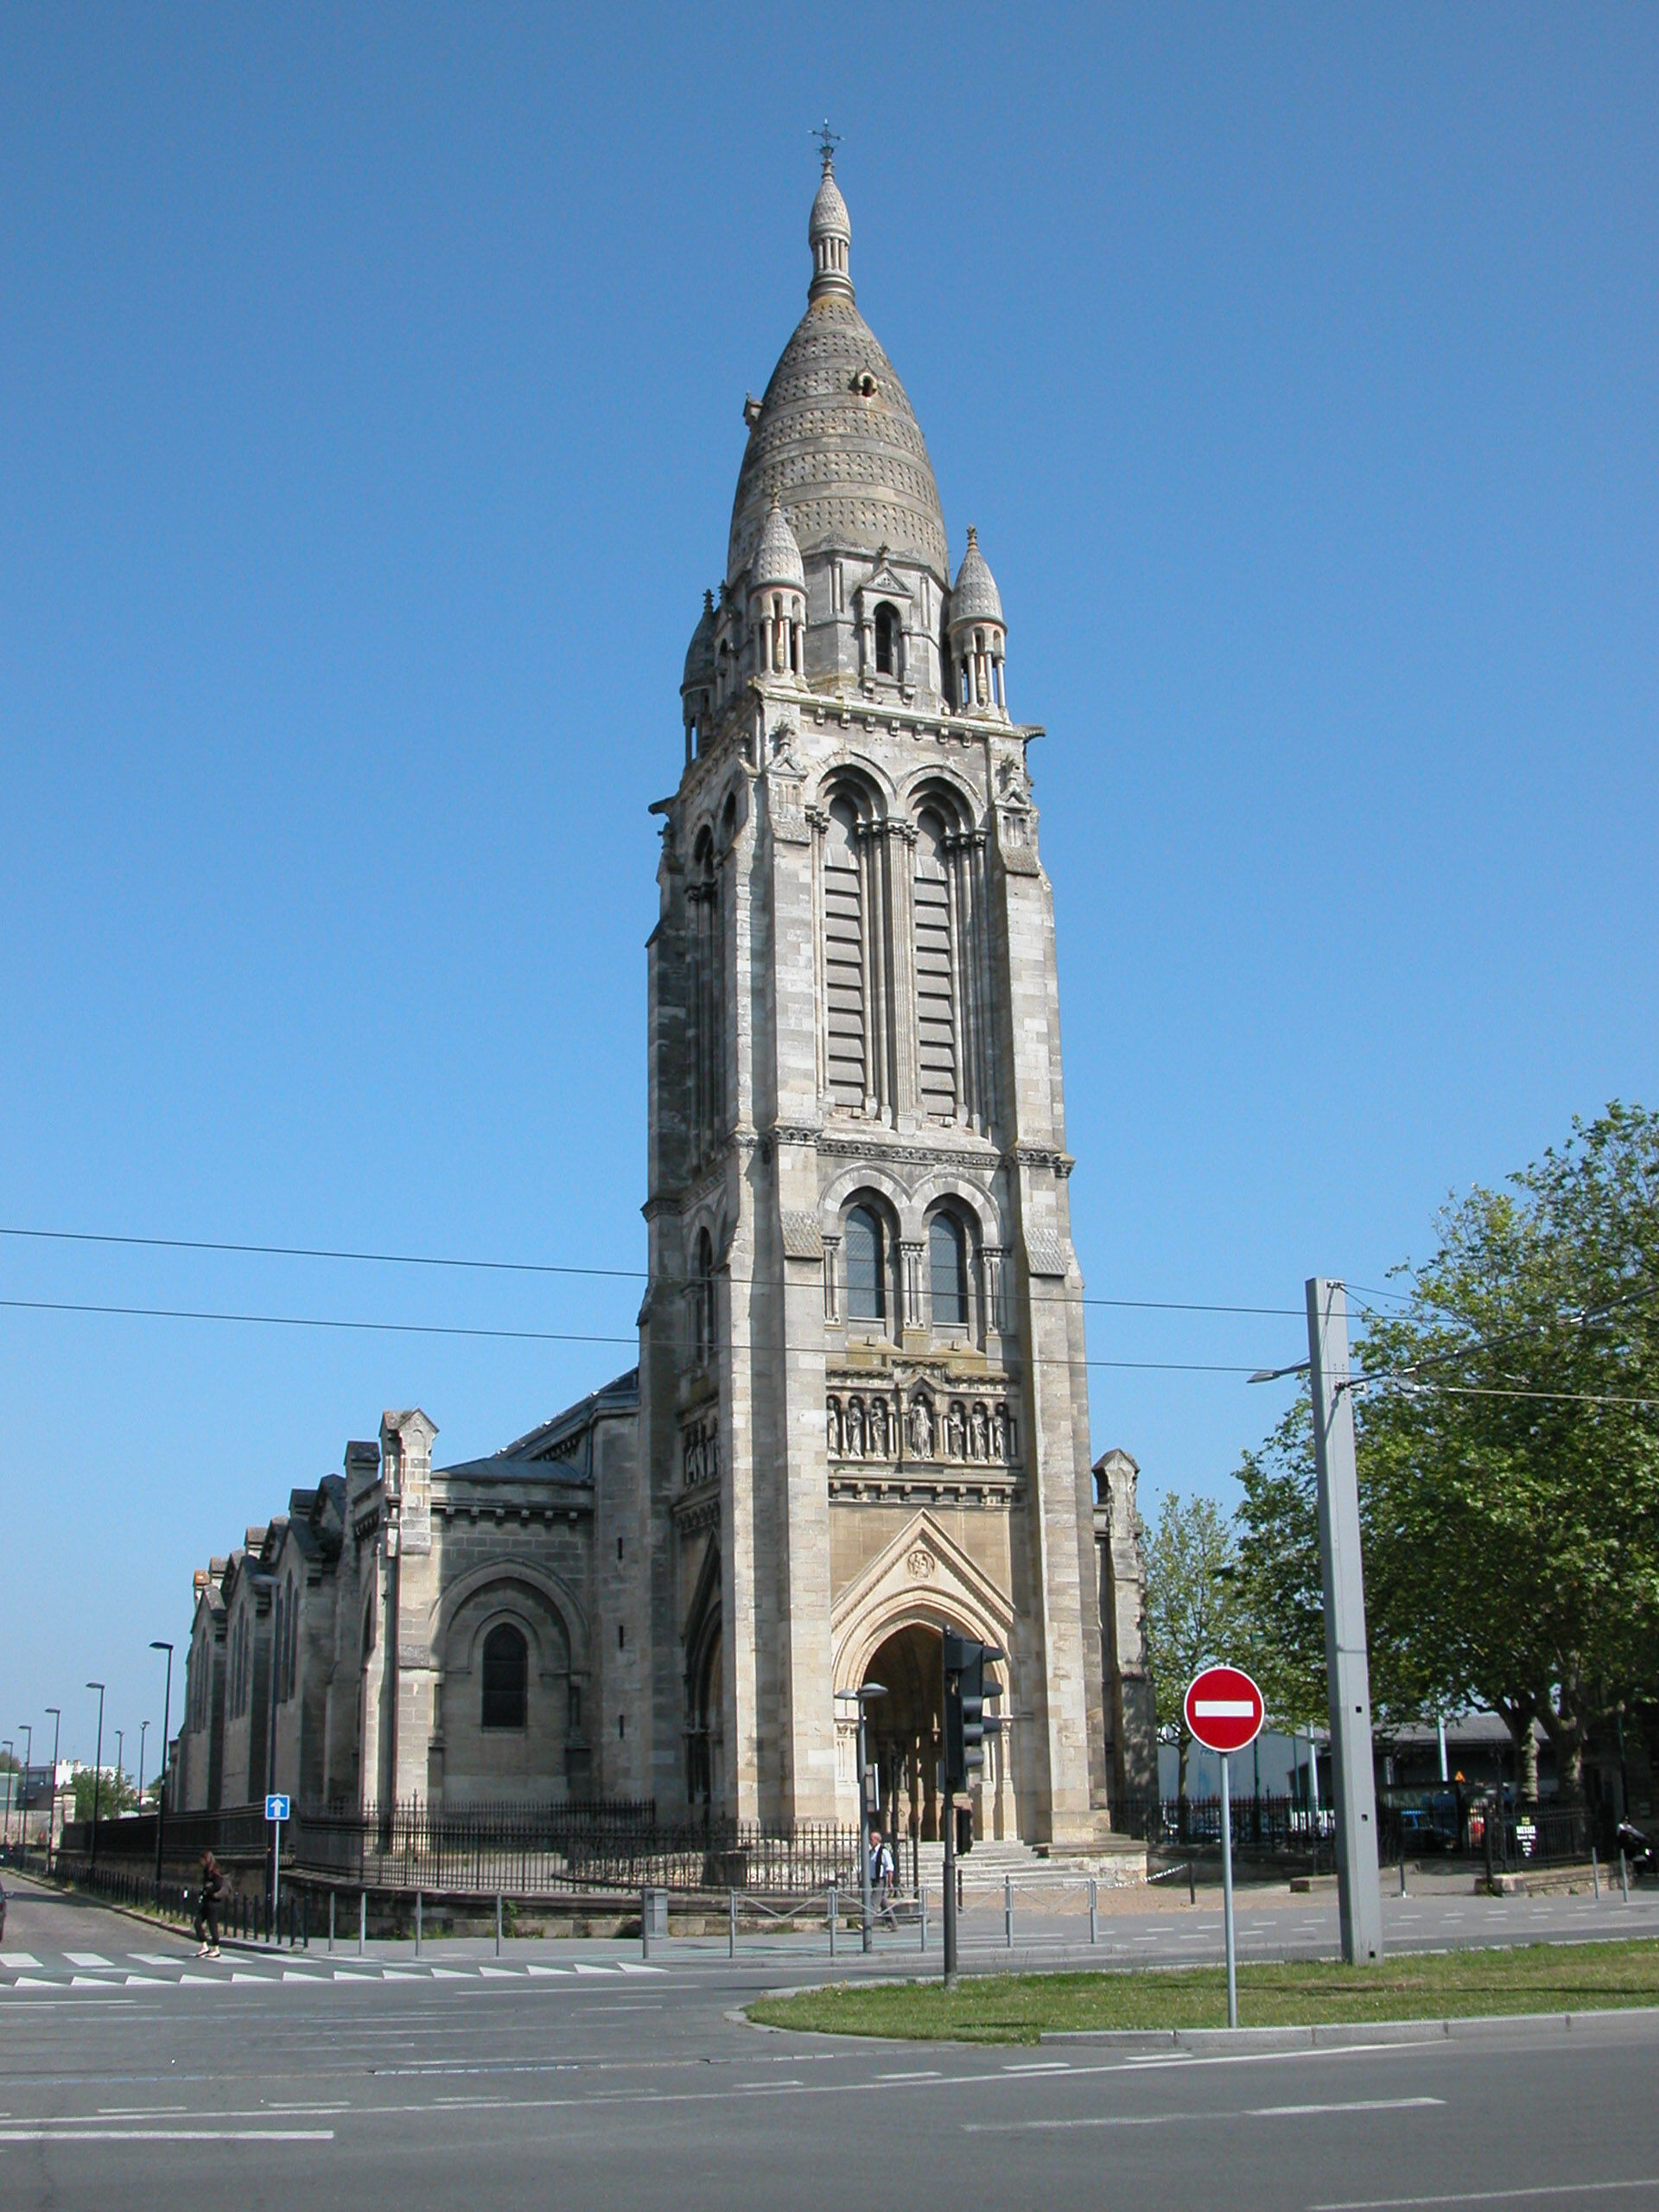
(1564, 1724)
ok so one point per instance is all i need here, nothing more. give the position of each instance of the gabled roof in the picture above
(559, 1450)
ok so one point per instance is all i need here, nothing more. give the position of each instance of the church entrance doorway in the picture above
(904, 1730)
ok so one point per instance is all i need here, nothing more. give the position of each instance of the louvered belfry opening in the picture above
(936, 1009)
(846, 1011)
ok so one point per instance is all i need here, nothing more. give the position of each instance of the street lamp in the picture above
(29, 1760)
(144, 1731)
(863, 1696)
(156, 1644)
(52, 1798)
(97, 1764)
(5, 1834)
(120, 1740)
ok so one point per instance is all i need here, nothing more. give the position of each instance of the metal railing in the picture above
(591, 1849)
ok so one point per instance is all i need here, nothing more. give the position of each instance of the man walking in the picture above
(881, 1877)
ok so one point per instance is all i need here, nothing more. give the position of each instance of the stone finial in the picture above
(829, 234)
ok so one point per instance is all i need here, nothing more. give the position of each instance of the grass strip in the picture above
(1419, 1986)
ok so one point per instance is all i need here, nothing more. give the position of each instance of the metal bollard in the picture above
(644, 1923)
(362, 1920)
(418, 1923)
(1193, 1881)
(834, 1915)
(921, 1900)
(1008, 1912)
(1623, 1874)
(1595, 1874)
(1094, 1909)
(333, 1900)
(1402, 1873)
(731, 1923)
(498, 1923)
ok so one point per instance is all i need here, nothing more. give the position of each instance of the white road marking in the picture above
(19, 1959)
(88, 1959)
(61, 2134)
(1184, 2119)
(1489, 2196)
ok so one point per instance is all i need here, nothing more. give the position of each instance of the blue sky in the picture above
(369, 392)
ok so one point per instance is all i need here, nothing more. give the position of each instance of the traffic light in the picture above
(966, 1688)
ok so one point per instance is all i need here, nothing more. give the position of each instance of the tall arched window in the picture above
(844, 958)
(867, 1268)
(703, 1300)
(707, 1053)
(506, 1677)
(936, 1010)
(887, 641)
(947, 1265)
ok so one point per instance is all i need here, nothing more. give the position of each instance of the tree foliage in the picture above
(116, 1794)
(1192, 1605)
(1509, 1464)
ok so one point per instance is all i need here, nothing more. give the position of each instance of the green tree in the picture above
(1280, 1596)
(1508, 1464)
(1191, 1562)
(1511, 1443)
(116, 1794)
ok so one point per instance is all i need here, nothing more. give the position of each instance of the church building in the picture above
(861, 1412)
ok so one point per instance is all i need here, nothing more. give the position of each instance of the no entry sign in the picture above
(1224, 1710)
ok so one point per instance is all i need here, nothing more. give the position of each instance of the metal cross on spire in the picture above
(827, 141)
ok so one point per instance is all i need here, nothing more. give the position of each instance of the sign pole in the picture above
(1227, 1889)
(277, 1875)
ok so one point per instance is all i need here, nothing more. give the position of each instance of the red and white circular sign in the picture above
(1224, 1709)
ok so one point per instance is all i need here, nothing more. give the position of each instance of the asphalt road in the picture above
(130, 2075)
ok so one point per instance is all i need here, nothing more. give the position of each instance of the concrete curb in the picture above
(1345, 2035)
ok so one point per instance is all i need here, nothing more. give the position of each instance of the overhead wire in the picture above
(559, 1267)
(513, 1336)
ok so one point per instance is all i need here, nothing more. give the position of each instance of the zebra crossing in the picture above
(23, 1971)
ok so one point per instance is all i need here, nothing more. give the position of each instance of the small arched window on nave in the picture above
(506, 1677)
(867, 1267)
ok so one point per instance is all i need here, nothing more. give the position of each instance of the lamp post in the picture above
(156, 1644)
(144, 1731)
(120, 1740)
(98, 1764)
(28, 1760)
(863, 1696)
(57, 1713)
(5, 1833)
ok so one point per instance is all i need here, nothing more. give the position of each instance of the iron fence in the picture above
(592, 1848)
(1453, 1822)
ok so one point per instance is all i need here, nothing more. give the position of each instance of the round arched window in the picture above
(867, 1272)
(947, 1263)
(506, 1677)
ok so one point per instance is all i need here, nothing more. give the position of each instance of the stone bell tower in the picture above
(864, 1401)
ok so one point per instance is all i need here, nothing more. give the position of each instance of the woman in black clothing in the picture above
(212, 1889)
